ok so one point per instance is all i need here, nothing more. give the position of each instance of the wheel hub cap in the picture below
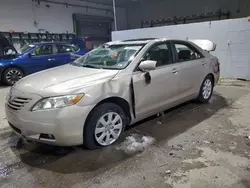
(207, 89)
(108, 128)
(13, 76)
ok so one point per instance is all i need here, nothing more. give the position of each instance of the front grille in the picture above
(17, 103)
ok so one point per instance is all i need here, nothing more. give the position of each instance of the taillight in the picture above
(217, 67)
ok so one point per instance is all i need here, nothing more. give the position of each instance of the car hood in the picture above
(10, 58)
(63, 80)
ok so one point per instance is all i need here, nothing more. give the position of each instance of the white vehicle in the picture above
(93, 99)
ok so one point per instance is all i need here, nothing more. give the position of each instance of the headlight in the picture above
(57, 102)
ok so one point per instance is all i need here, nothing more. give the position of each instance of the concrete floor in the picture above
(191, 146)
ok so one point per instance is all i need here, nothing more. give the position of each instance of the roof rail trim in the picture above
(138, 39)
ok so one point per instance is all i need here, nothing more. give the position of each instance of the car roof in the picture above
(50, 43)
(137, 41)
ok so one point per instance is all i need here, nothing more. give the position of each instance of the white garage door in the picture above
(238, 55)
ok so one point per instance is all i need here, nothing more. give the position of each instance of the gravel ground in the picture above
(190, 146)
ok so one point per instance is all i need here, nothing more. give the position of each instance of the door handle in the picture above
(51, 59)
(174, 71)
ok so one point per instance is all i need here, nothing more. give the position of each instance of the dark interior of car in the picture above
(184, 55)
(162, 56)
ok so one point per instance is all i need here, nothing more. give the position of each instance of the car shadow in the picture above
(69, 160)
(180, 118)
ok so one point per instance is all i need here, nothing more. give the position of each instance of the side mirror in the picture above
(147, 65)
(30, 55)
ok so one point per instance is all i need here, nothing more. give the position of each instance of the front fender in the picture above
(103, 89)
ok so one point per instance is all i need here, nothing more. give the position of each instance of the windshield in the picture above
(26, 48)
(109, 57)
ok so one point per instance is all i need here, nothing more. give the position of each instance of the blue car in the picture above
(33, 58)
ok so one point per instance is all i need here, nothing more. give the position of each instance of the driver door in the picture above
(39, 59)
(162, 89)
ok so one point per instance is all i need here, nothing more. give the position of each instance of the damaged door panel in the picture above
(162, 89)
(154, 89)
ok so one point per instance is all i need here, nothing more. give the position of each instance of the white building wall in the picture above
(20, 15)
(231, 36)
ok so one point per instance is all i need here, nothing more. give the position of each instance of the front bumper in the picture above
(65, 124)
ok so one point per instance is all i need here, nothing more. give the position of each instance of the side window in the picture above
(186, 52)
(64, 49)
(160, 53)
(43, 50)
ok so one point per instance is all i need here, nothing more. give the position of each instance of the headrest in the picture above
(184, 54)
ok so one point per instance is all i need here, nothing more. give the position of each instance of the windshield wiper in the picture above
(89, 66)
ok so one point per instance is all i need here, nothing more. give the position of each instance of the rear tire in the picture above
(206, 90)
(104, 126)
(11, 76)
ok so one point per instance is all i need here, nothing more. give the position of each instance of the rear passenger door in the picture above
(192, 67)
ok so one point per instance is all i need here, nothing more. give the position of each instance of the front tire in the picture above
(206, 90)
(11, 76)
(104, 126)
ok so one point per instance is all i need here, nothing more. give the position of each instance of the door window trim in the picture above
(44, 54)
(173, 42)
(163, 66)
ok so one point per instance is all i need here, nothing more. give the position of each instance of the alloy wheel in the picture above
(207, 89)
(13, 75)
(108, 128)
